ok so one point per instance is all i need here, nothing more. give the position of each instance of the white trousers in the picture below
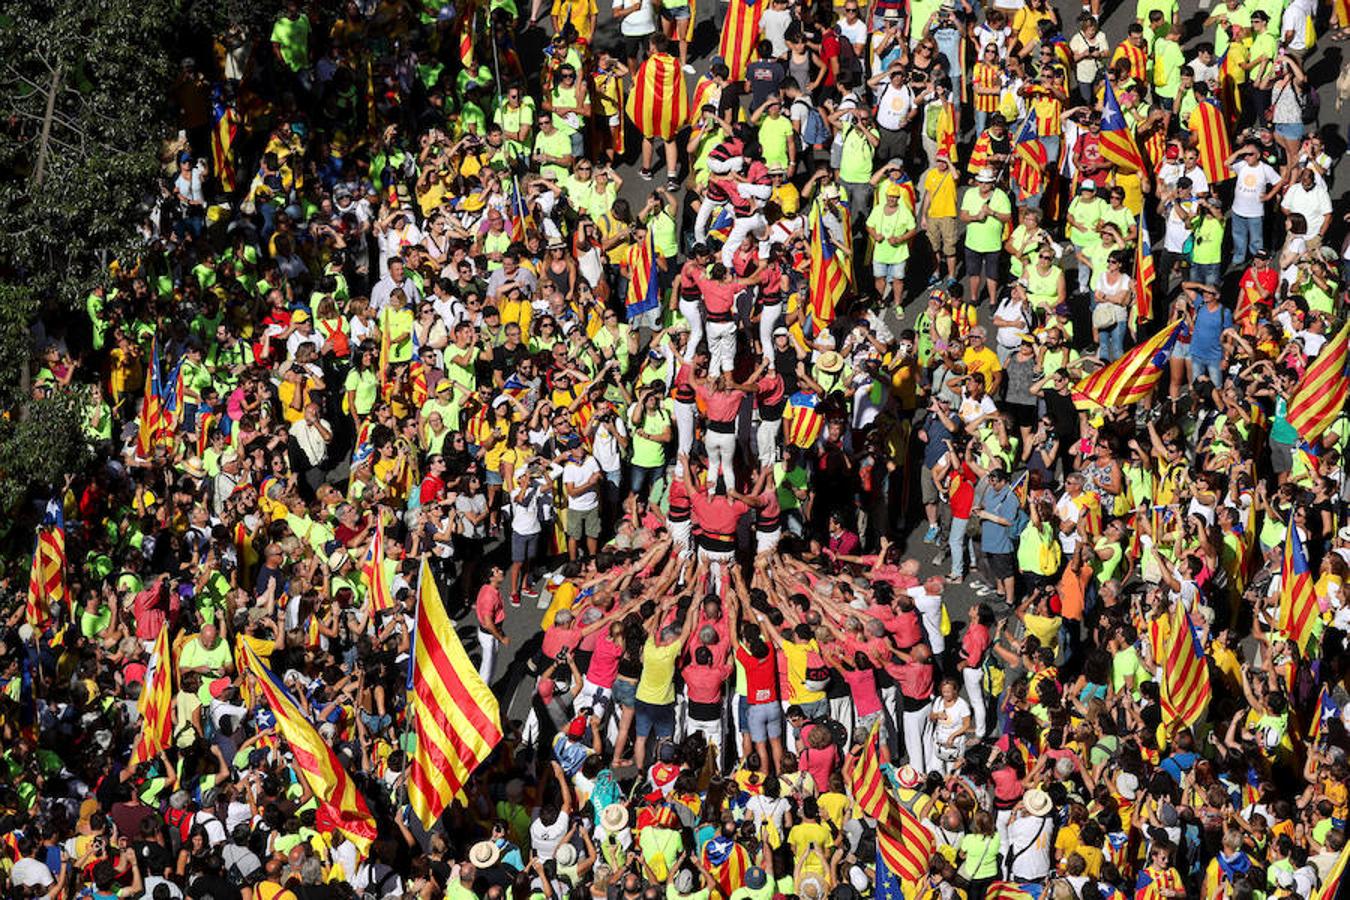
(684, 431)
(679, 537)
(693, 314)
(974, 681)
(769, 316)
(721, 452)
(914, 726)
(717, 561)
(721, 347)
(767, 434)
(742, 229)
(490, 646)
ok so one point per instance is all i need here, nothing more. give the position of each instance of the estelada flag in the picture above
(156, 702)
(1322, 390)
(1144, 273)
(1210, 127)
(804, 419)
(1185, 682)
(1298, 600)
(659, 103)
(1117, 141)
(740, 34)
(827, 280)
(341, 806)
(1029, 158)
(1130, 378)
(452, 711)
(225, 128)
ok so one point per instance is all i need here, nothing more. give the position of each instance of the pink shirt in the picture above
(717, 515)
(862, 684)
(974, 643)
(703, 684)
(820, 763)
(722, 406)
(558, 637)
(604, 662)
(489, 607)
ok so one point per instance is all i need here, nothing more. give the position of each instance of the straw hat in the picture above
(614, 818)
(484, 855)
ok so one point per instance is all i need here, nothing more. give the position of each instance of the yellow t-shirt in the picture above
(941, 188)
(796, 655)
(563, 598)
(657, 684)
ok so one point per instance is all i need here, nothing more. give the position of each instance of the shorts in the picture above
(494, 478)
(942, 235)
(928, 489)
(1000, 565)
(524, 547)
(892, 271)
(655, 719)
(679, 535)
(635, 47)
(678, 14)
(767, 541)
(982, 264)
(1281, 457)
(1023, 414)
(1290, 131)
(624, 693)
(1181, 351)
(764, 721)
(643, 479)
(583, 524)
(865, 723)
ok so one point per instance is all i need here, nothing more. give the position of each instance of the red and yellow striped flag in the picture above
(1331, 885)
(224, 130)
(1130, 378)
(739, 35)
(867, 782)
(156, 702)
(377, 579)
(1185, 681)
(1144, 273)
(454, 713)
(1322, 390)
(904, 844)
(47, 576)
(341, 806)
(1210, 127)
(946, 131)
(1117, 140)
(1298, 600)
(659, 103)
(827, 279)
(1006, 890)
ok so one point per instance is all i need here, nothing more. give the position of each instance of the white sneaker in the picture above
(688, 69)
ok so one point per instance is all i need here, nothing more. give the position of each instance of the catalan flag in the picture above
(466, 59)
(1057, 43)
(1185, 672)
(1326, 710)
(1029, 158)
(727, 861)
(150, 422)
(979, 154)
(804, 419)
(1006, 890)
(1144, 273)
(827, 280)
(341, 806)
(659, 103)
(1209, 124)
(1137, 57)
(1298, 600)
(376, 574)
(1118, 145)
(155, 704)
(1322, 390)
(868, 784)
(1130, 378)
(47, 577)
(514, 387)
(946, 130)
(644, 285)
(224, 129)
(740, 34)
(904, 846)
(453, 713)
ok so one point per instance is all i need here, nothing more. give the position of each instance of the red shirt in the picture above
(718, 296)
(906, 628)
(604, 662)
(722, 406)
(703, 684)
(862, 684)
(717, 515)
(961, 485)
(974, 644)
(915, 680)
(152, 608)
(558, 637)
(432, 490)
(770, 390)
(489, 608)
(761, 677)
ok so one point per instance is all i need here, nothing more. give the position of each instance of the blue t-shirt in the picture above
(997, 538)
(936, 446)
(1209, 325)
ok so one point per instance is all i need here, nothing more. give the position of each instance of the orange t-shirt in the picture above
(1072, 591)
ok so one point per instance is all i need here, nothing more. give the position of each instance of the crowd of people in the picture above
(712, 550)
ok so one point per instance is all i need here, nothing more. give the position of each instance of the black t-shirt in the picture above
(210, 886)
(507, 359)
(764, 77)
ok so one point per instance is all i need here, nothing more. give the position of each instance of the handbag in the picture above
(1106, 315)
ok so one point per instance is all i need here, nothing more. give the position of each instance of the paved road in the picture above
(522, 624)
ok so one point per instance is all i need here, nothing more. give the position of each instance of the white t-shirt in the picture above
(929, 607)
(1250, 184)
(1176, 230)
(606, 447)
(546, 838)
(856, 33)
(1009, 337)
(893, 105)
(576, 474)
(1295, 19)
(640, 23)
(1030, 838)
(29, 872)
(1313, 205)
(951, 718)
(773, 25)
(984, 36)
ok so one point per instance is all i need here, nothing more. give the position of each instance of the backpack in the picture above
(838, 733)
(1310, 104)
(815, 133)
(849, 61)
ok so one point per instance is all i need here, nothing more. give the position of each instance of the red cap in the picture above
(577, 727)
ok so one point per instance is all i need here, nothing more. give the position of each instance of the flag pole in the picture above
(1012, 148)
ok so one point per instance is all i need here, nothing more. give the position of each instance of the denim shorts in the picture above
(1290, 131)
(624, 692)
(655, 719)
(893, 271)
(765, 721)
(494, 478)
